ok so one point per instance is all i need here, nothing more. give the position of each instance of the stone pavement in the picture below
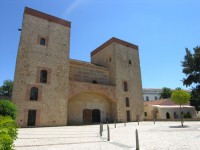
(161, 136)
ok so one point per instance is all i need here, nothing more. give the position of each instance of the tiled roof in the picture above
(160, 102)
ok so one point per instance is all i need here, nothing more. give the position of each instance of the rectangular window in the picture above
(127, 102)
(145, 114)
(147, 98)
(156, 97)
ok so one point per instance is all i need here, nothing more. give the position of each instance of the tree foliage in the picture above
(166, 93)
(6, 89)
(7, 108)
(191, 68)
(8, 133)
(180, 97)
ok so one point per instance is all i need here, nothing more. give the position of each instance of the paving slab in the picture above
(166, 135)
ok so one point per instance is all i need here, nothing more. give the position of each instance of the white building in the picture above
(151, 94)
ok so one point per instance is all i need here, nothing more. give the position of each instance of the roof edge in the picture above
(45, 16)
(110, 41)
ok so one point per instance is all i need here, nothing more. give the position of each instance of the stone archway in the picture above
(89, 107)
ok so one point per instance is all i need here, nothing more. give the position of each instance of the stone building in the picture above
(50, 89)
(166, 109)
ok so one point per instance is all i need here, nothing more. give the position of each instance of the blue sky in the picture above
(161, 29)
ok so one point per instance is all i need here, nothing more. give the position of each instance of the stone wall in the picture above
(86, 72)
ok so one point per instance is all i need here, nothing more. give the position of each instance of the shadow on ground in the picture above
(185, 126)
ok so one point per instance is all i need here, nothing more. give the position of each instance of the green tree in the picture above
(180, 97)
(6, 89)
(7, 108)
(8, 133)
(166, 93)
(191, 68)
(195, 98)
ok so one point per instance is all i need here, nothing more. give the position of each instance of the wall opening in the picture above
(167, 115)
(31, 118)
(96, 116)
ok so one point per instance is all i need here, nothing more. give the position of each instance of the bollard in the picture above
(137, 140)
(115, 124)
(108, 129)
(101, 130)
(125, 124)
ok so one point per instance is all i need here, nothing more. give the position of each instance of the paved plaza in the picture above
(161, 136)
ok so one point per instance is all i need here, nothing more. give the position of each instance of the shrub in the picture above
(7, 108)
(8, 132)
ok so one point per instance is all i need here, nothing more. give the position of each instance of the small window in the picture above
(125, 87)
(127, 102)
(147, 98)
(94, 82)
(145, 114)
(34, 94)
(129, 62)
(156, 98)
(42, 41)
(43, 76)
(110, 59)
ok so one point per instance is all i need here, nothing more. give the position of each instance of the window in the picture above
(145, 114)
(129, 62)
(34, 94)
(156, 97)
(147, 98)
(127, 102)
(94, 82)
(43, 76)
(125, 87)
(42, 41)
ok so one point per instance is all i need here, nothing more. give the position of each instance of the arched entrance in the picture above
(89, 107)
(167, 116)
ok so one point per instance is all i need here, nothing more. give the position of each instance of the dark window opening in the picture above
(94, 82)
(129, 62)
(127, 102)
(145, 114)
(147, 98)
(42, 41)
(31, 117)
(34, 94)
(125, 87)
(156, 97)
(43, 76)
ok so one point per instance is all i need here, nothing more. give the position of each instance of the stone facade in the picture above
(166, 109)
(52, 90)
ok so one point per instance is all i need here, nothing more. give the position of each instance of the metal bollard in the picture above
(108, 129)
(137, 140)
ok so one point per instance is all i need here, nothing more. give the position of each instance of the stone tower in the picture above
(122, 59)
(42, 70)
